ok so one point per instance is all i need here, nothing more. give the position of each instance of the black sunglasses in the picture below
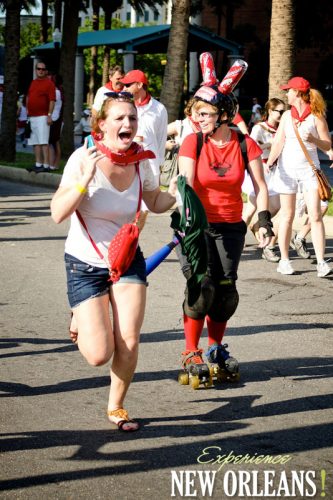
(126, 85)
(281, 111)
(41, 69)
(120, 95)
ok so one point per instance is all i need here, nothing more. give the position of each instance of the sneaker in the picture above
(323, 269)
(285, 267)
(299, 244)
(270, 254)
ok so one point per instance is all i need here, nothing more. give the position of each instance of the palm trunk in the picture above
(173, 82)
(107, 48)
(282, 46)
(67, 70)
(12, 56)
(93, 53)
(44, 25)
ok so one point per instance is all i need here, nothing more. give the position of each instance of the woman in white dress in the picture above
(294, 173)
(263, 133)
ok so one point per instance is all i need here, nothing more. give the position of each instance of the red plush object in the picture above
(122, 250)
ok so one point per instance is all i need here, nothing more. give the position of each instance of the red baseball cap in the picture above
(135, 76)
(297, 83)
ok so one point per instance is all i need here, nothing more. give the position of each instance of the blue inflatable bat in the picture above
(156, 258)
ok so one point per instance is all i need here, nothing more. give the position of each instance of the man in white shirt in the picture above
(152, 118)
(113, 85)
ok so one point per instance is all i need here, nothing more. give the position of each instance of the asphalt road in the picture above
(56, 442)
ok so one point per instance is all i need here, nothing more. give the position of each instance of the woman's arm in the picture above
(260, 188)
(278, 142)
(187, 168)
(324, 140)
(160, 201)
(67, 199)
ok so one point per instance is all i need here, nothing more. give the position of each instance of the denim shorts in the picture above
(85, 282)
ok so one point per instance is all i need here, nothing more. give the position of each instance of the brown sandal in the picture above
(124, 420)
(73, 335)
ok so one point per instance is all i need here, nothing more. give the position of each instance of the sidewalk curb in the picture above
(20, 175)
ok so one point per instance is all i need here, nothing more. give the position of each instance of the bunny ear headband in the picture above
(230, 80)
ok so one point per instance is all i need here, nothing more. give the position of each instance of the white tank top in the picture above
(292, 155)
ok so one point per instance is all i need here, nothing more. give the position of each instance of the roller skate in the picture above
(221, 365)
(195, 371)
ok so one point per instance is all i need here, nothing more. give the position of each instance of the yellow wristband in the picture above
(81, 189)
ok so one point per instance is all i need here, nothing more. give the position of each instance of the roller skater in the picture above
(195, 370)
(214, 166)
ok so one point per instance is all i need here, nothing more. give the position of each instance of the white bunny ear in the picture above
(207, 69)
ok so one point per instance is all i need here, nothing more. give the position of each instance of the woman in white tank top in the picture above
(101, 189)
(294, 173)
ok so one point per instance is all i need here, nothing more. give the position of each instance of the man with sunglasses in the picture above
(40, 104)
(152, 117)
(116, 73)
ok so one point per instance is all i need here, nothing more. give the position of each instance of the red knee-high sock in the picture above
(193, 330)
(215, 331)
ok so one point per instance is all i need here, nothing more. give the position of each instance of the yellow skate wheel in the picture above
(183, 378)
(195, 382)
(211, 370)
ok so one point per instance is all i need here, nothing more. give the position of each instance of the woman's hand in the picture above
(264, 240)
(308, 137)
(90, 157)
(173, 186)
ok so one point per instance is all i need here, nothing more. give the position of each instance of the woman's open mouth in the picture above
(125, 137)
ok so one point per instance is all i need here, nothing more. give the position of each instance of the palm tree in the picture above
(108, 10)
(12, 56)
(282, 46)
(93, 53)
(173, 82)
(70, 29)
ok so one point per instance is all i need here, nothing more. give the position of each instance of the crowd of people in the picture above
(110, 180)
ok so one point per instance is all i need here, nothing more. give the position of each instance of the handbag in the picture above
(123, 245)
(324, 187)
(169, 168)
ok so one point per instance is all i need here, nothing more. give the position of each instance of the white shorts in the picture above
(40, 130)
(247, 186)
(296, 179)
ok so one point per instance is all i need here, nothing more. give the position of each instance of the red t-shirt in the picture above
(238, 118)
(40, 93)
(219, 175)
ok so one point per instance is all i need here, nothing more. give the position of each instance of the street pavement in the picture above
(56, 442)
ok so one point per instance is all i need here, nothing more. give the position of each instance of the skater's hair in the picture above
(188, 107)
(270, 105)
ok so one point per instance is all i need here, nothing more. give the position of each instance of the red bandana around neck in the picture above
(134, 154)
(271, 126)
(144, 102)
(305, 114)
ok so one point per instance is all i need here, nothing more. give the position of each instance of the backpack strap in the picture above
(243, 146)
(200, 140)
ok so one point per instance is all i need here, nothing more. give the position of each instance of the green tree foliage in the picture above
(29, 38)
